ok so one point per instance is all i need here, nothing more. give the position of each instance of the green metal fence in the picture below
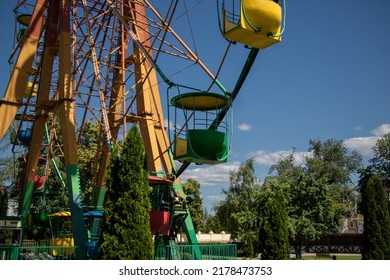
(40, 252)
(37, 253)
(170, 252)
(187, 252)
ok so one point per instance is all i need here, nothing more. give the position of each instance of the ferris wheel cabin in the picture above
(255, 23)
(24, 21)
(200, 140)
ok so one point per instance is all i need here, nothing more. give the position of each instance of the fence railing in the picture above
(188, 252)
(37, 253)
(170, 252)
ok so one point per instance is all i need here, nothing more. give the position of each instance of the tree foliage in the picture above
(239, 198)
(126, 226)
(376, 242)
(273, 226)
(312, 210)
(236, 213)
(8, 172)
(312, 206)
(87, 161)
(381, 158)
(7, 166)
(7, 182)
(286, 168)
(212, 224)
(331, 161)
(380, 163)
(192, 187)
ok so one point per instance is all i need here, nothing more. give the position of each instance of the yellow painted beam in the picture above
(41, 113)
(13, 96)
(66, 98)
(149, 103)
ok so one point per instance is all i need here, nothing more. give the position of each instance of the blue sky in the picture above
(327, 79)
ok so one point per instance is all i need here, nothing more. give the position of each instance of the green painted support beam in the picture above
(26, 201)
(189, 227)
(77, 218)
(98, 198)
(173, 250)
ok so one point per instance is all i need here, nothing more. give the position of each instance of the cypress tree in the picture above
(376, 242)
(126, 226)
(273, 233)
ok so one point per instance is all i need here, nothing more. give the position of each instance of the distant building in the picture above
(208, 237)
(354, 224)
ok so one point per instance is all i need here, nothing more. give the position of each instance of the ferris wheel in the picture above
(109, 63)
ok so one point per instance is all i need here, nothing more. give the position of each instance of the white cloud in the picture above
(381, 130)
(211, 175)
(244, 127)
(269, 158)
(218, 175)
(362, 144)
(365, 144)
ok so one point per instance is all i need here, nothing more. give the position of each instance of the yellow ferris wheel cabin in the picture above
(259, 23)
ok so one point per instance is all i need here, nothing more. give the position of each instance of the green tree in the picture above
(7, 166)
(380, 163)
(235, 213)
(126, 226)
(286, 168)
(7, 182)
(273, 228)
(192, 187)
(86, 152)
(376, 242)
(8, 172)
(330, 160)
(311, 209)
(212, 224)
